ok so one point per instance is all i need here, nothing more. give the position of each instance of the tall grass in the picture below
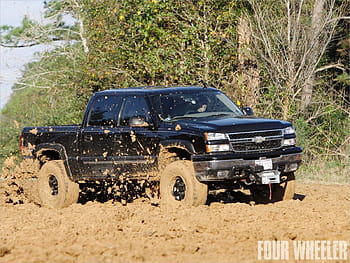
(319, 171)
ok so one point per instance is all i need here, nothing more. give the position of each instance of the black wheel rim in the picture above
(179, 189)
(53, 183)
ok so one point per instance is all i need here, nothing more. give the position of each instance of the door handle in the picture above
(87, 138)
(117, 137)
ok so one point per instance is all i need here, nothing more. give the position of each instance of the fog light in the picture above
(291, 167)
(223, 173)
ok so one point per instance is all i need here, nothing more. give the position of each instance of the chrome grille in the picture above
(256, 141)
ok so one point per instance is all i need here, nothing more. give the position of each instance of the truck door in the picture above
(139, 143)
(99, 139)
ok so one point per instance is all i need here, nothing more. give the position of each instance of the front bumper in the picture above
(235, 169)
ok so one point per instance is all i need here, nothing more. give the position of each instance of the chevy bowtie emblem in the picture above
(259, 139)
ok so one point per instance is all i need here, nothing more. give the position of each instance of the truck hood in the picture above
(232, 124)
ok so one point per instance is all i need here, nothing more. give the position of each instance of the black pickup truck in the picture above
(189, 139)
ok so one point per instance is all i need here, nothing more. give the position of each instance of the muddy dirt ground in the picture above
(226, 230)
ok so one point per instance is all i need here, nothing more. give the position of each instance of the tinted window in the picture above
(134, 106)
(104, 111)
(193, 104)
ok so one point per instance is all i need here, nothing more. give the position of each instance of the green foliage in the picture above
(50, 95)
(14, 33)
(160, 42)
(31, 32)
(344, 79)
(326, 134)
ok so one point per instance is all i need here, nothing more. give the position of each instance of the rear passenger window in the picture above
(133, 107)
(104, 111)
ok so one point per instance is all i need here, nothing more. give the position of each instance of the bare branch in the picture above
(81, 27)
(290, 46)
(338, 66)
(19, 46)
(26, 85)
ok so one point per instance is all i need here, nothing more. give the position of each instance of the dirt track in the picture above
(142, 232)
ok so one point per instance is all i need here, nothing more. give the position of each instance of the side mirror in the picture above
(248, 111)
(138, 121)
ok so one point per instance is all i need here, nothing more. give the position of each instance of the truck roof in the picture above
(155, 90)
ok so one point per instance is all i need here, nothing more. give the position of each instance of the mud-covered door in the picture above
(100, 138)
(138, 150)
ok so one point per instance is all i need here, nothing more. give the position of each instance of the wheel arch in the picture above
(182, 148)
(50, 151)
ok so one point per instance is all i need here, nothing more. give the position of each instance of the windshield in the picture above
(176, 106)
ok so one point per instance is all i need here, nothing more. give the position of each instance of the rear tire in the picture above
(56, 190)
(178, 185)
(279, 192)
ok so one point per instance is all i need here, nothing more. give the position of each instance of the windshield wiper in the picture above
(202, 115)
(181, 117)
(220, 114)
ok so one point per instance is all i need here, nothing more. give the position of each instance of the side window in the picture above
(104, 111)
(134, 106)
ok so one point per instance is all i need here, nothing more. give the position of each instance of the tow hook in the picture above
(262, 177)
(249, 180)
(250, 176)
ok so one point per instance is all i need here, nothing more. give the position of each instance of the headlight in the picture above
(289, 142)
(289, 130)
(214, 136)
(218, 148)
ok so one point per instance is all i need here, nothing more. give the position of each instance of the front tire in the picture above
(178, 185)
(56, 190)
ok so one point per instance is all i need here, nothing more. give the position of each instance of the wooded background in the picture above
(287, 59)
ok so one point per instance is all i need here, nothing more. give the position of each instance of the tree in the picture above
(32, 33)
(161, 42)
(263, 53)
(290, 38)
(248, 71)
(118, 44)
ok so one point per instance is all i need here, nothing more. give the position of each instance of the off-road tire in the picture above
(55, 189)
(182, 172)
(280, 192)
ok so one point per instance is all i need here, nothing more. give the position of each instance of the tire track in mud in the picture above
(144, 232)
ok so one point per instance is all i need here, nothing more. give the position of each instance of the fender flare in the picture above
(183, 144)
(60, 149)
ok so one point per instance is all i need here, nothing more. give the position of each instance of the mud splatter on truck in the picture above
(189, 141)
